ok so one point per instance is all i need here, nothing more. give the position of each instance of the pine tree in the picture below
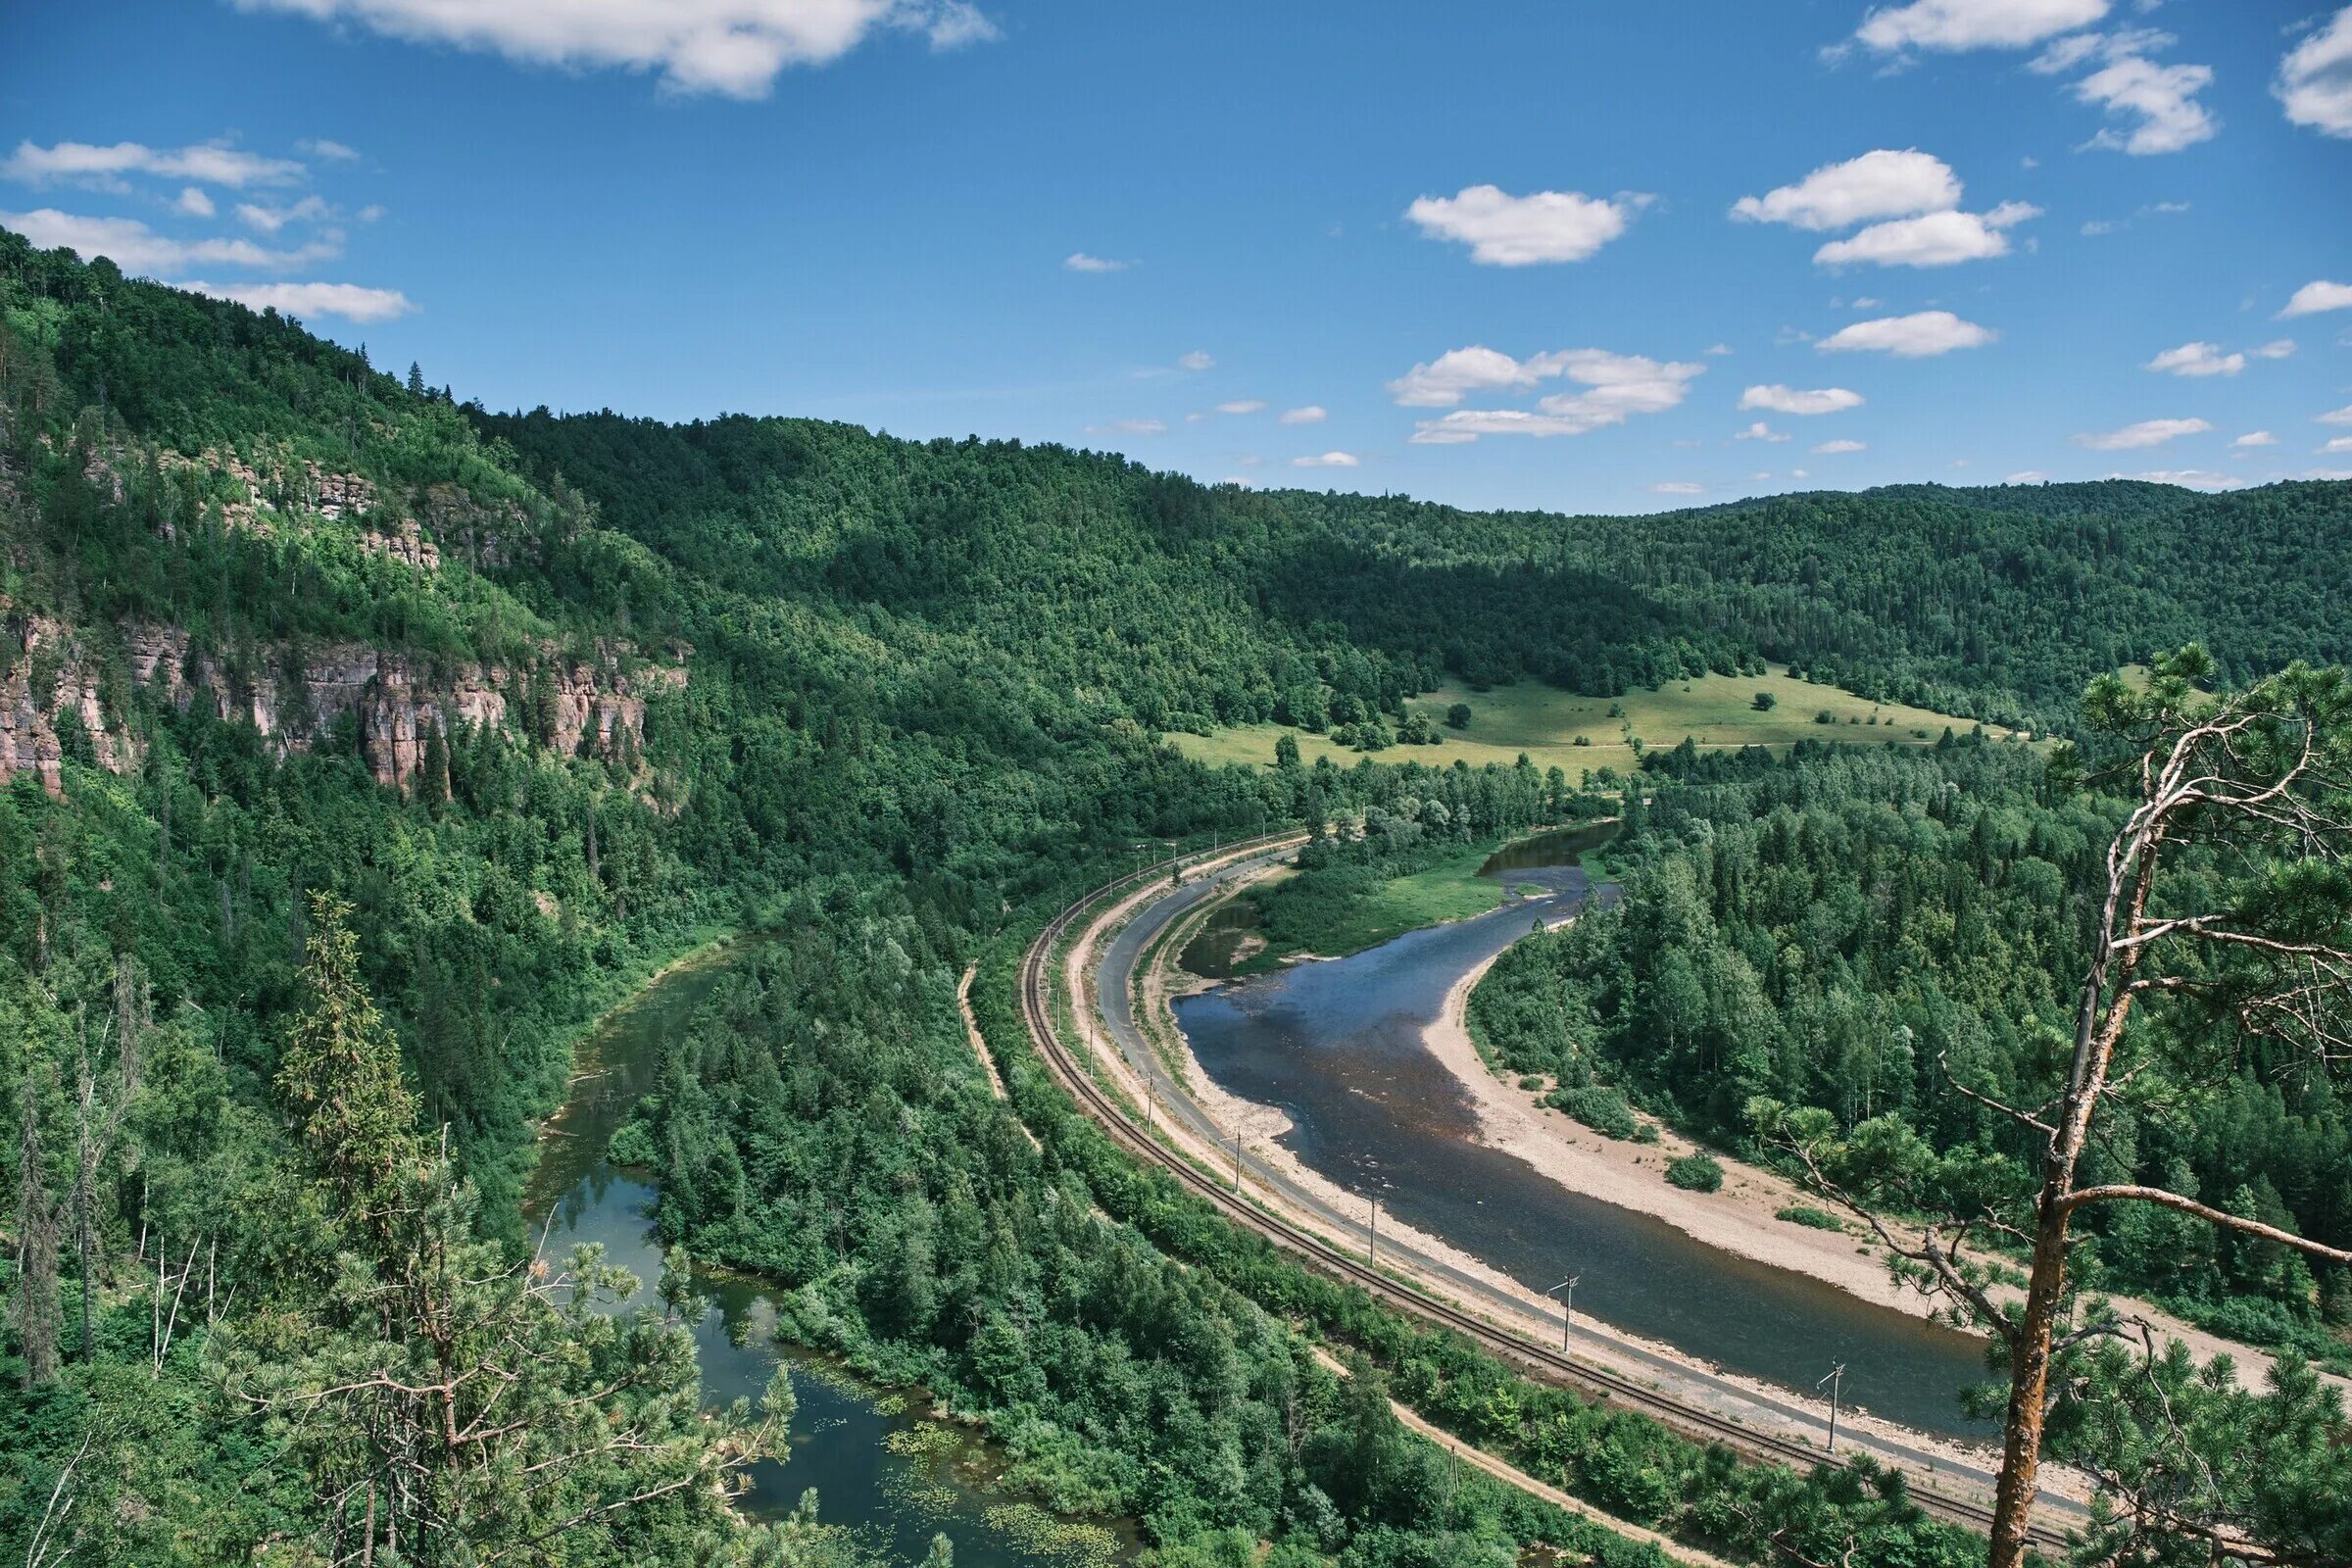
(415, 380)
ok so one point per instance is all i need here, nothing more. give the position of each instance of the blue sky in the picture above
(1564, 255)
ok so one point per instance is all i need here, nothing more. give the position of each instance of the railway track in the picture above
(1036, 1007)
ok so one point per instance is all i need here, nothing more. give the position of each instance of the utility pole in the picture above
(1836, 1380)
(1375, 1253)
(1566, 1291)
(1237, 1160)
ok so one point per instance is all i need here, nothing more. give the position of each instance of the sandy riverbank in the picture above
(1738, 1220)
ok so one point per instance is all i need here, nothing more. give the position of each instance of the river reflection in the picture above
(1336, 1046)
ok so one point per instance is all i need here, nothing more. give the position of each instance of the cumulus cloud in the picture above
(2027, 476)
(2315, 79)
(2083, 48)
(1326, 460)
(1829, 449)
(1080, 262)
(325, 151)
(1877, 184)
(2161, 101)
(1678, 487)
(1612, 388)
(1197, 360)
(2336, 444)
(2318, 295)
(731, 47)
(1129, 427)
(1243, 406)
(347, 300)
(2191, 478)
(1310, 413)
(2279, 348)
(208, 163)
(2342, 415)
(1955, 24)
(1760, 431)
(1920, 335)
(2137, 437)
(2197, 358)
(1931, 239)
(1507, 230)
(1777, 399)
(193, 203)
(135, 248)
(269, 220)
(2254, 438)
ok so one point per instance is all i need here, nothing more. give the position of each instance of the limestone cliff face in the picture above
(593, 707)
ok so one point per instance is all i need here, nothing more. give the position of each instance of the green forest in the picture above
(319, 849)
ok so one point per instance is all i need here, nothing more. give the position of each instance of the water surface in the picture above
(1338, 1047)
(840, 1431)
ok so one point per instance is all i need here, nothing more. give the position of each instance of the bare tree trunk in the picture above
(2029, 1388)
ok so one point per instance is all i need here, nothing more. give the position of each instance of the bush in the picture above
(1457, 716)
(1818, 1219)
(1604, 1111)
(633, 1145)
(1765, 702)
(1696, 1173)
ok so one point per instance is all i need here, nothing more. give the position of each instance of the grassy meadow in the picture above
(1713, 710)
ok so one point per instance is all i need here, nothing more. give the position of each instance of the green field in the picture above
(1713, 710)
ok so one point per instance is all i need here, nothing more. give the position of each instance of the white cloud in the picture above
(2197, 358)
(1615, 388)
(2336, 444)
(2137, 437)
(370, 213)
(1931, 239)
(2318, 295)
(2163, 97)
(1678, 487)
(2093, 228)
(2342, 415)
(1080, 262)
(1507, 230)
(1445, 380)
(1777, 399)
(209, 163)
(2252, 439)
(1312, 413)
(1243, 406)
(1197, 360)
(269, 220)
(1129, 427)
(2065, 54)
(1619, 385)
(2027, 476)
(1877, 184)
(2279, 348)
(193, 203)
(732, 47)
(347, 300)
(1953, 24)
(135, 248)
(2189, 478)
(2315, 79)
(1327, 459)
(325, 151)
(1720, 350)
(1760, 431)
(1920, 335)
(1831, 449)
(1799, 474)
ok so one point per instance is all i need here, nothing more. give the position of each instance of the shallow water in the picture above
(839, 1432)
(1336, 1046)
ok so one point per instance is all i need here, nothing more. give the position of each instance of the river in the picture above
(1336, 1046)
(851, 1443)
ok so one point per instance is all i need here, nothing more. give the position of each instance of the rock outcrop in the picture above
(592, 707)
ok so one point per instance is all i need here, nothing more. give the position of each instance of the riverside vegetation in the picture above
(291, 958)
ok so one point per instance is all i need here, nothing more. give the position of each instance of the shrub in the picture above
(1805, 1214)
(1604, 1111)
(1696, 1173)
(1457, 716)
(1765, 702)
(633, 1145)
